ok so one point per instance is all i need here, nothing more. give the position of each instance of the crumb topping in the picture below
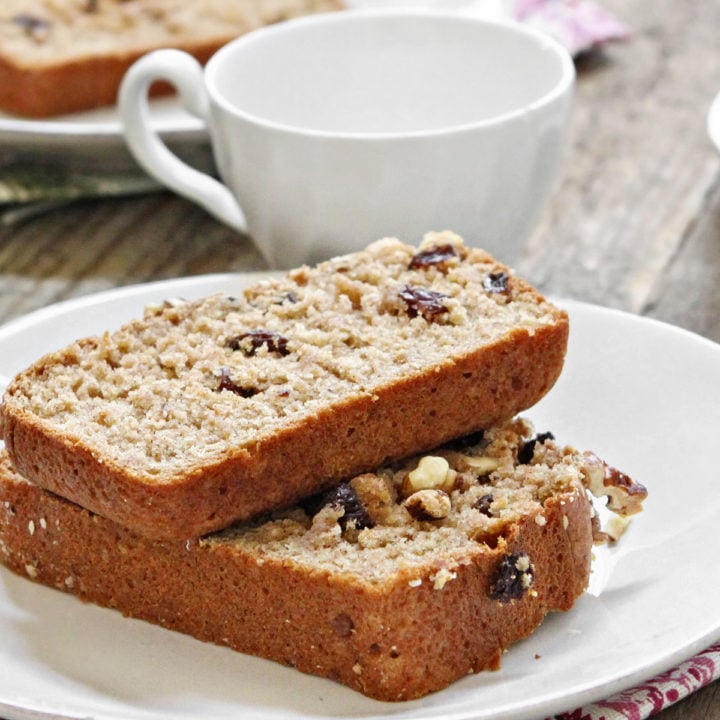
(371, 527)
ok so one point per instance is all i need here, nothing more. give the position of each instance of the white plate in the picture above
(641, 394)
(81, 136)
(713, 122)
(94, 138)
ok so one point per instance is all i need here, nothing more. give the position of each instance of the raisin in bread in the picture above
(62, 56)
(396, 583)
(206, 412)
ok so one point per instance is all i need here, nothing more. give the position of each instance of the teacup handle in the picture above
(185, 73)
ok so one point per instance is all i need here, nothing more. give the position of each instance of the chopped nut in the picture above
(174, 302)
(428, 504)
(442, 577)
(431, 472)
(625, 496)
(416, 582)
(616, 526)
(480, 465)
(379, 497)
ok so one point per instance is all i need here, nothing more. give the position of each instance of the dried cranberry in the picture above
(345, 497)
(483, 504)
(421, 301)
(435, 255)
(514, 578)
(31, 23)
(526, 452)
(250, 342)
(227, 383)
(496, 282)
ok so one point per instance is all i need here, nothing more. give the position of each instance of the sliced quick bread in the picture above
(206, 412)
(396, 583)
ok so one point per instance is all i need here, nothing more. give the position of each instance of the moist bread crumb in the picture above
(210, 411)
(347, 585)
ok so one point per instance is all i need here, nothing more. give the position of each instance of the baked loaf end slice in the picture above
(206, 412)
(62, 56)
(396, 583)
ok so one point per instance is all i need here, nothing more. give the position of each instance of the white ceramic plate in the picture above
(95, 138)
(643, 395)
(713, 122)
(81, 136)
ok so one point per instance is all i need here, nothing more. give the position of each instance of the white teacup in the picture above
(334, 130)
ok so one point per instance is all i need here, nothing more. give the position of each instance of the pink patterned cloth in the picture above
(580, 25)
(656, 694)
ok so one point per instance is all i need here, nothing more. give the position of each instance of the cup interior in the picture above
(385, 73)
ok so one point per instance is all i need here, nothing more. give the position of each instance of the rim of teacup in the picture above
(544, 42)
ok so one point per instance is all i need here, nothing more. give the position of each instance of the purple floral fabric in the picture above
(658, 693)
(580, 25)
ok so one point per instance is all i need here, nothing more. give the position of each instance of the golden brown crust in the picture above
(75, 85)
(396, 640)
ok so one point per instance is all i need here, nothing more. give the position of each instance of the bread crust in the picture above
(395, 640)
(76, 85)
(409, 417)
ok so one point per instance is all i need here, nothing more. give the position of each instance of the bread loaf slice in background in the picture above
(64, 56)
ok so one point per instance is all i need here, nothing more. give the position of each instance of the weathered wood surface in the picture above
(633, 224)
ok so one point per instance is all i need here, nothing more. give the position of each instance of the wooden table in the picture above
(634, 223)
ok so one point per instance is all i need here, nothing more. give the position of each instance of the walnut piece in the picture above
(428, 504)
(625, 497)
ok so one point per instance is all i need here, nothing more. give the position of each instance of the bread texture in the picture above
(206, 412)
(64, 56)
(395, 583)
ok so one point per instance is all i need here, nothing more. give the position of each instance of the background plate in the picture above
(641, 394)
(79, 137)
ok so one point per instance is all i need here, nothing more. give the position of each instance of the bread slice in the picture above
(207, 412)
(395, 584)
(63, 56)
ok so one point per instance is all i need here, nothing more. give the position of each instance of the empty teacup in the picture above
(333, 130)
